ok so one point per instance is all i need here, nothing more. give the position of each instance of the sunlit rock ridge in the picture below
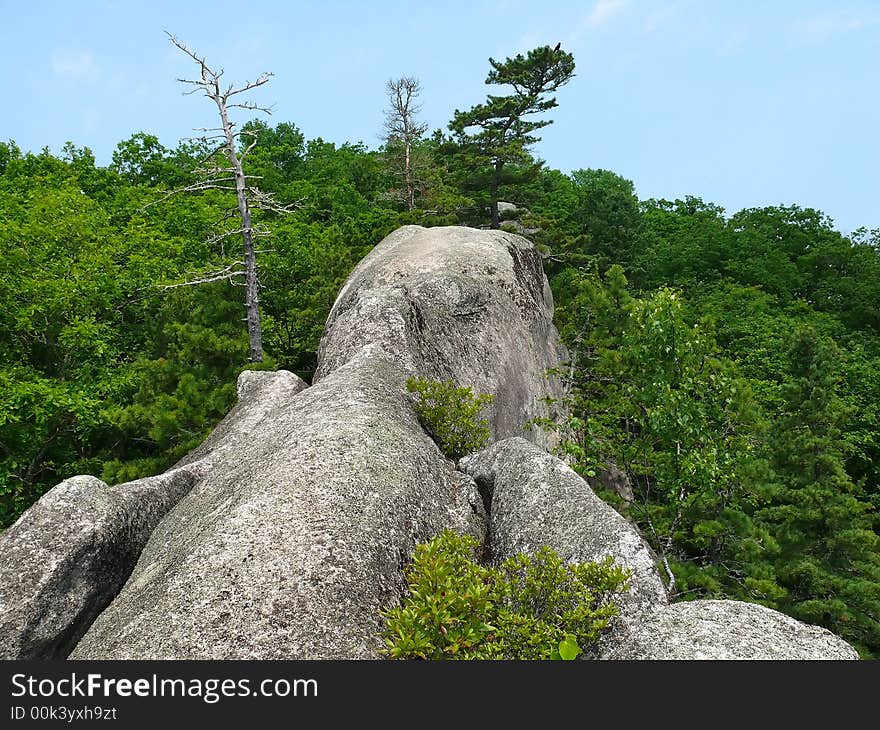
(289, 529)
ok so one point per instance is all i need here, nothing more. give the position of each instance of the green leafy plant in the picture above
(529, 607)
(568, 649)
(449, 415)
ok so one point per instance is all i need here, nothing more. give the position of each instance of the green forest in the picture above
(724, 378)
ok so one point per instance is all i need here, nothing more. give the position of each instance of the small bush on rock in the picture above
(529, 607)
(449, 415)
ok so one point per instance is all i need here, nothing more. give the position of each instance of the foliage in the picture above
(655, 399)
(449, 414)
(494, 156)
(738, 470)
(589, 218)
(102, 372)
(829, 556)
(529, 607)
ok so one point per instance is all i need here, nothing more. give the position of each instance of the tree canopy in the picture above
(491, 140)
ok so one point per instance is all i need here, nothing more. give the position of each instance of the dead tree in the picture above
(402, 130)
(223, 169)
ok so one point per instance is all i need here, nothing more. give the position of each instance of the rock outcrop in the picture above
(69, 554)
(73, 550)
(536, 500)
(290, 550)
(286, 533)
(456, 304)
(727, 630)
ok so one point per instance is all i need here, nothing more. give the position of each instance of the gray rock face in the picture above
(507, 209)
(536, 500)
(69, 554)
(285, 534)
(728, 630)
(456, 303)
(290, 549)
(260, 392)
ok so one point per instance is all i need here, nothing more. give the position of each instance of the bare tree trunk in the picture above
(233, 179)
(402, 128)
(493, 194)
(252, 300)
(410, 187)
(252, 286)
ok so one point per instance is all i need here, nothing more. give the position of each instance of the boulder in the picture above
(71, 552)
(536, 499)
(290, 549)
(507, 210)
(727, 630)
(457, 304)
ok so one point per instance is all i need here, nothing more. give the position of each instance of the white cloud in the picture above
(75, 66)
(823, 26)
(602, 13)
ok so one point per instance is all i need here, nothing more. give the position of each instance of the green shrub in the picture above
(529, 607)
(449, 415)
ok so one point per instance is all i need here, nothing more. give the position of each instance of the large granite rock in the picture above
(285, 534)
(290, 550)
(456, 303)
(727, 630)
(535, 499)
(538, 500)
(70, 553)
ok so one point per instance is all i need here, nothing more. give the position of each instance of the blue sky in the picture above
(741, 102)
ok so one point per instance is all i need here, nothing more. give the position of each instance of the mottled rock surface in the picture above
(260, 392)
(456, 303)
(69, 554)
(289, 550)
(727, 630)
(537, 500)
(287, 531)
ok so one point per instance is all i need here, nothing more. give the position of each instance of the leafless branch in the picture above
(222, 235)
(205, 138)
(226, 274)
(264, 77)
(252, 107)
(247, 151)
(267, 201)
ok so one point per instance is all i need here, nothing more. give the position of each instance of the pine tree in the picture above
(829, 562)
(496, 153)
